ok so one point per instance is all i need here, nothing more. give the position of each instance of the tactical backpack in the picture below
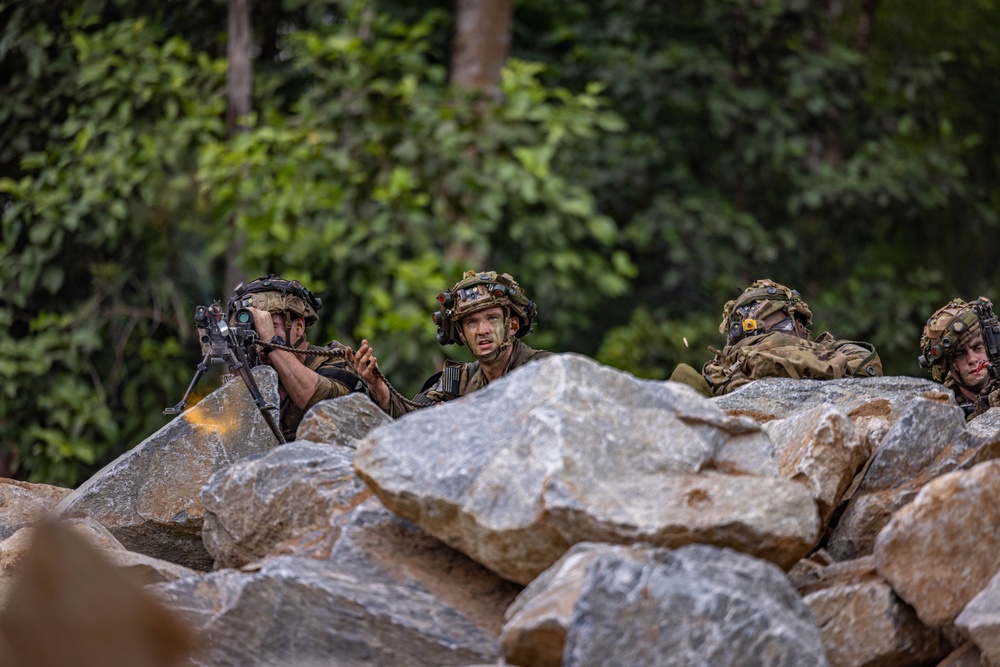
(777, 354)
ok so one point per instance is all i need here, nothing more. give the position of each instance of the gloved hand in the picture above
(993, 398)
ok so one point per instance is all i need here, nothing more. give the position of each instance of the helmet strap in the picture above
(289, 318)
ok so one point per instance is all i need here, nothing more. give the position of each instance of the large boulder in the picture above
(374, 545)
(341, 421)
(942, 549)
(279, 495)
(697, 605)
(150, 496)
(565, 450)
(873, 404)
(980, 620)
(862, 622)
(928, 440)
(24, 504)
(139, 568)
(291, 610)
(821, 448)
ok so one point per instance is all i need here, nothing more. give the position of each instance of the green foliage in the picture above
(91, 250)
(381, 198)
(649, 347)
(764, 143)
(646, 161)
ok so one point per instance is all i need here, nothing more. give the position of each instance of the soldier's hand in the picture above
(264, 327)
(994, 398)
(366, 365)
(262, 324)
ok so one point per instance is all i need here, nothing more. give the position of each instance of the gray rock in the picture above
(986, 425)
(149, 497)
(139, 568)
(822, 449)
(928, 440)
(966, 655)
(24, 504)
(980, 621)
(303, 611)
(871, 403)
(376, 546)
(697, 605)
(863, 622)
(565, 450)
(537, 621)
(279, 495)
(341, 421)
(941, 550)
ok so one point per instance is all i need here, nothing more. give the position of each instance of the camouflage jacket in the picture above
(337, 378)
(459, 378)
(776, 354)
(972, 407)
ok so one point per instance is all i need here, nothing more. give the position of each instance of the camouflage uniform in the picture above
(783, 349)
(946, 332)
(291, 300)
(475, 292)
(337, 378)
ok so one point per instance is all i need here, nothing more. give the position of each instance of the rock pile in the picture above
(568, 514)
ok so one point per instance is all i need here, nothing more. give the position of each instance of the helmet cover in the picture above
(946, 332)
(757, 302)
(479, 290)
(276, 295)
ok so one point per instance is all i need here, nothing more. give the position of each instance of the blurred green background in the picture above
(635, 164)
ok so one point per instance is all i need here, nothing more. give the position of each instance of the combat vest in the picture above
(971, 408)
(777, 354)
(459, 378)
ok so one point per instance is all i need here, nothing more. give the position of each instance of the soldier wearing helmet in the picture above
(282, 310)
(486, 311)
(952, 349)
(767, 334)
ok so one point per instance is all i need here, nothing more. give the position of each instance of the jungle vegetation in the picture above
(633, 163)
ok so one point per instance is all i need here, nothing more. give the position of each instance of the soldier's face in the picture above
(484, 331)
(782, 321)
(970, 363)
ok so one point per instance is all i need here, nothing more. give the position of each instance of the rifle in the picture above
(234, 346)
(991, 334)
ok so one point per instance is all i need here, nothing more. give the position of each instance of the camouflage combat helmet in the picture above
(945, 333)
(743, 316)
(479, 290)
(276, 295)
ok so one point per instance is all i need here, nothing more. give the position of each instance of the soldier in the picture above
(282, 310)
(484, 310)
(952, 350)
(767, 331)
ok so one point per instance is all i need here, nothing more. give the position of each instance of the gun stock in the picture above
(991, 334)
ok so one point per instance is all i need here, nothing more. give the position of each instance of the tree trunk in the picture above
(240, 70)
(482, 44)
(865, 20)
(239, 77)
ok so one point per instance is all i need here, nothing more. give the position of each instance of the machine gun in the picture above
(991, 334)
(234, 346)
